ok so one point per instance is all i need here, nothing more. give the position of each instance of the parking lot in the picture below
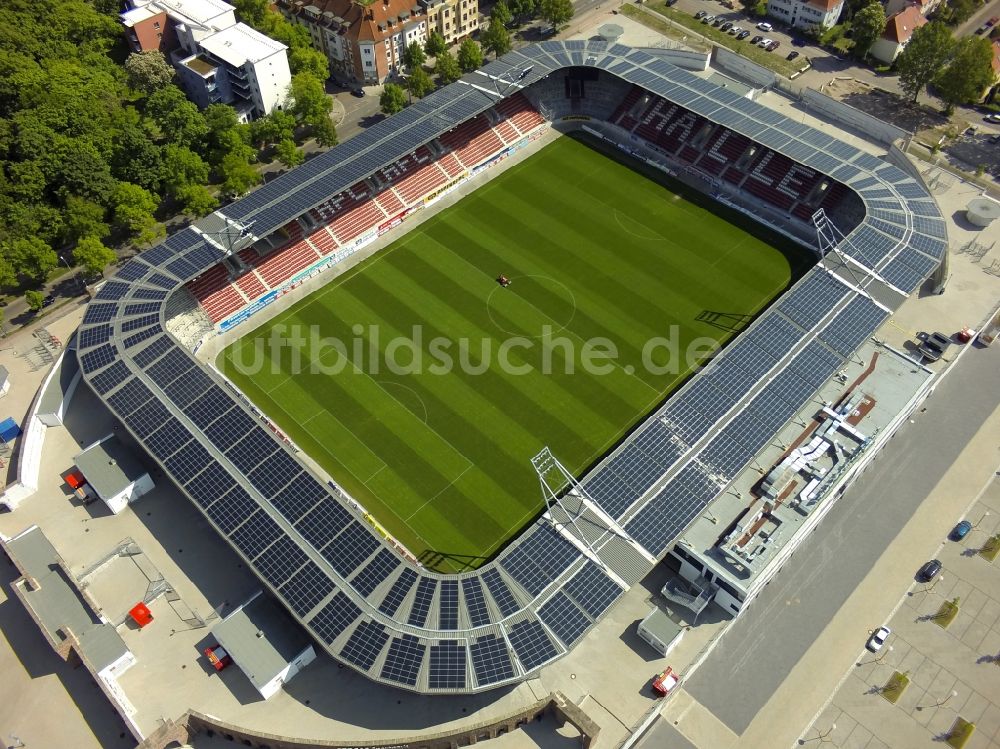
(953, 670)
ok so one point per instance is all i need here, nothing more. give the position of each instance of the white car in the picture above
(878, 638)
(764, 26)
(765, 42)
(992, 118)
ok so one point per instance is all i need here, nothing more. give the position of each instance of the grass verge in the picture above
(895, 687)
(990, 549)
(946, 614)
(960, 733)
(650, 21)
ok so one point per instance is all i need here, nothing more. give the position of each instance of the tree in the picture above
(84, 218)
(522, 9)
(308, 60)
(923, 57)
(252, 12)
(275, 127)
(969, 73)
(957, 12)
(182, 167)
(148, 71)
(289, 154)
(470, 56)
(93, 255)
(31, 257)
(196, 200)
(495, 39)
(435, 44)
(237, 175)
(501, 13)
(868, 25)
(308, 100)
(419, 83)
(325, 133)
(8, 277)
(446, 68)
(559, 12)
(133, 210)
(137, 158)
(414, 56)
(35, 300)
(393, 99)
(178, 119)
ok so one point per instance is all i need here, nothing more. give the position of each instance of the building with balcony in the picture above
(366, 43)
(217, 59)
(898, 30)
(805, 14)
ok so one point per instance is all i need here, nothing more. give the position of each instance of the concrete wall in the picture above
(723, 59)
(845, 114)
(682, 58)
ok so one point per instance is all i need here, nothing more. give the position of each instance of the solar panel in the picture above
(490, 660)
(531, 643)
(813, 298)
(144, 293)
(112, 291)
(231, 509)
(98, 358)
(139, 322)
(274, 474)
(475, 602)
(349, 549)
(501, 594)
(853, 325)
(446, 669)
(148, 419)
(390, 604)
(169, 368)
(207, 407)
(538, 557)
(158, 279)
(815, 364)
(402, 663)
(278, 563)
(93, 336)
(422, 602)
(210, 484)
(129, 397)
(98, 313)
(168, 439)
(153, 351)
(593, 590)
(252, 450)
(448, 605)
(365, 644)
(323, 522)
(188, 461)
(377, 570)
(255, 534)
(142, 335)
(306, 588)
(224, 433)
(133, 270)
(143, 308)
(564, 618)
(334, 618)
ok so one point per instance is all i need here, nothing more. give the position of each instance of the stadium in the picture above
(876, 235)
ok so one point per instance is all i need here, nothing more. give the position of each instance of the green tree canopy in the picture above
(495, 39)
(177, 119)
(196, 200)
(289, 154)
(435, 44)
(392, 99)
(557, 12)
(419, 83)
(304, 59)
(470, 56)
(35, 300)
(252, 12)
(133, 210)
(91, 253)
(924, 56)
(148, 71)
(868, 25)
(501, 13)
(238, 176)
(182, 167)
(965, 79)
(446, 68)
(414, 56)
(325, 132)
(30, 257)
(277, 126)
(84, 218)
(308, 100)
(137, 158)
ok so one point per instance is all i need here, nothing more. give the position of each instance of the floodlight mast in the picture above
(553, 478)
(829, 239)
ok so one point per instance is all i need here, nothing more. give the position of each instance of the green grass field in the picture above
(594, 249)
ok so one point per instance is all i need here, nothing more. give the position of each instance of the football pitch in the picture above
(424, 387)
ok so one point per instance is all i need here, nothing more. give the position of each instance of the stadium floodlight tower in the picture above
(230, 235)
(829, 239)
(557, 483)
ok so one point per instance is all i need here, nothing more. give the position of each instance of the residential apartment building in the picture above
(366, 43)
(217, 59)
(804, 14)
(924, 6)
(899, 27)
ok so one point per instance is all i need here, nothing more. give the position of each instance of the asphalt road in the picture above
(763, 646)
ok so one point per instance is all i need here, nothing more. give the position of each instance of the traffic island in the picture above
(946, 614)
(960, 733)
(991, 548)
(895, 687)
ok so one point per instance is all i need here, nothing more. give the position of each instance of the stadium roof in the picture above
(397, 622)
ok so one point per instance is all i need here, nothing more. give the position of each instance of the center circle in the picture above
(550, 296)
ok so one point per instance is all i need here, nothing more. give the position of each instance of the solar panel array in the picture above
(373, 609)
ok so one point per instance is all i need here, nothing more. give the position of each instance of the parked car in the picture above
(993, 21)
(764, 42)
(797, 42)
(743, 34)
(929, 571)
(707, 19)
(358, 92)
(756, 39)
(735, 30)
(878, 638)
(934, 346)
(764, 26)
(718, 21)
(726, 26)
(773, 45)
(792, 55)
(983, 29)
(48, 301)
(960, 531)
(701, 14)
(992, 118)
